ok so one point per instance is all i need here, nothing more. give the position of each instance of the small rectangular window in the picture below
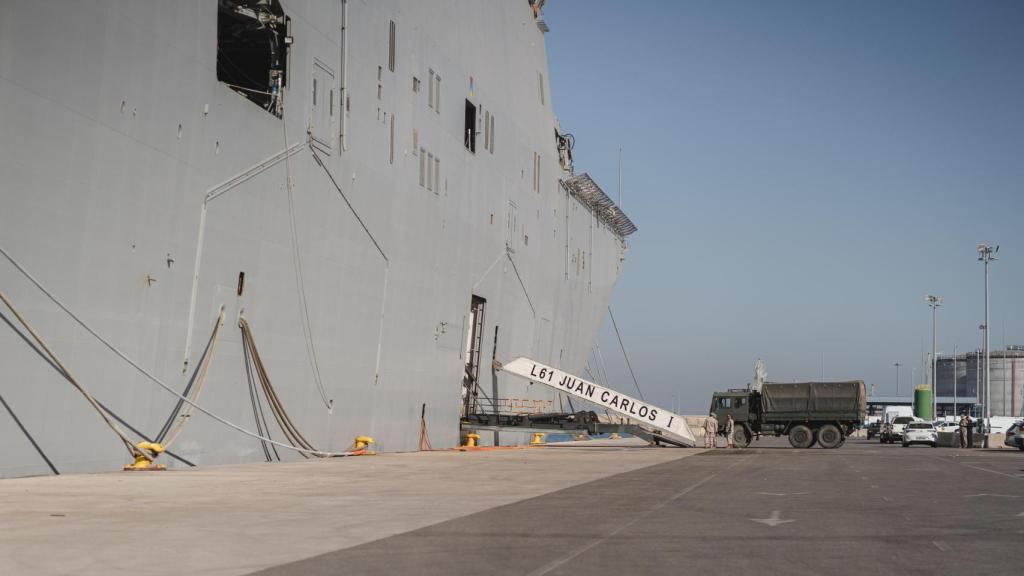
(415, 85)
(480, 120)
(423, 167)
(391, 46)
(314, 91)
(437, 97)
(492, 134)
(536, 172)
(469, 131)
(540, 86)
(430, 171)
(430, 91)
(437, 174)
(415, 141)
(391, 142)
(487, 130)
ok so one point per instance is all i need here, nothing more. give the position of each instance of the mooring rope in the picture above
(132, 449)
(197, 388)
(285, 423)
(145, 372)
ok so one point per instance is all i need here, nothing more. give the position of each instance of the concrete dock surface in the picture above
(238, 519)
(599, 507)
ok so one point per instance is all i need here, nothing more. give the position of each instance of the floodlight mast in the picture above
(934, 302)
(986, 254)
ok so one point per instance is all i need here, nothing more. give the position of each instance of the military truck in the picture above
(807, 412)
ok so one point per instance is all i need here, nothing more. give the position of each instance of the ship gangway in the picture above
(647, 421)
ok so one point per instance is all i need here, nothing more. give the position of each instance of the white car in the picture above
(897, 426)
(1015, 436)
(919, 433)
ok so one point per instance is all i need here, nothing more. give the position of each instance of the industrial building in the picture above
(963, 376)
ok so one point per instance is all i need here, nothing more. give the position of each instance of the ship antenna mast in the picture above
(620, 177)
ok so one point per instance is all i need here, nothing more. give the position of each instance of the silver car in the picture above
(919, 433)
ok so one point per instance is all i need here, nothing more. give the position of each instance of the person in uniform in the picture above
(710, 430)
(970, 430)
(729, 426)
(965, 423)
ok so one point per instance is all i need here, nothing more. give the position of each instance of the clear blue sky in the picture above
(802, 174)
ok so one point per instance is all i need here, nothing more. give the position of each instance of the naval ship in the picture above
(259, 230)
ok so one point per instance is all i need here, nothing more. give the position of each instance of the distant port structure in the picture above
(959, 378)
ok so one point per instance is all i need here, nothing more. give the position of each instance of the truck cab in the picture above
(738, 404)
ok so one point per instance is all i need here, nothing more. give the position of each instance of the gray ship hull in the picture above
(352, 233)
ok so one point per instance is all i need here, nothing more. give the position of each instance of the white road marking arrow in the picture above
(774, 520)
(783, 493)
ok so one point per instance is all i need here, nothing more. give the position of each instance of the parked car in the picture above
(1000, 424)
(1015, 435)
(948, 426)
(919, 433)
(873, 429)
(893, 432)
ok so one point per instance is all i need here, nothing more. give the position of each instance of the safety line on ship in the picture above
(307, 328)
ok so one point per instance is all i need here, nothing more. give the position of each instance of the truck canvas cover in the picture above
(840, 400)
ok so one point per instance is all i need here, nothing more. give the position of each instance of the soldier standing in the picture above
(965, 423)
(729, 426)
(710, 430)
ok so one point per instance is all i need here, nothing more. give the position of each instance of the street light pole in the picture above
(986, 255)
(934, 302)
(897, 365)
(955, 378)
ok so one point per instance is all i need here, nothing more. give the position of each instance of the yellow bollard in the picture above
(144, 461)
(471, 439)
(362, 442)
(538, 439)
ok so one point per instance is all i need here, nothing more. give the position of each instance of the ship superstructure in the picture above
(377, 191)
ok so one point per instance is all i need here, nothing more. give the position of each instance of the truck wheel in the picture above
(829, 436)
(801, 437)
(740, 436)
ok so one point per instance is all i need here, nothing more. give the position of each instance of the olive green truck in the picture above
(807, 412)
